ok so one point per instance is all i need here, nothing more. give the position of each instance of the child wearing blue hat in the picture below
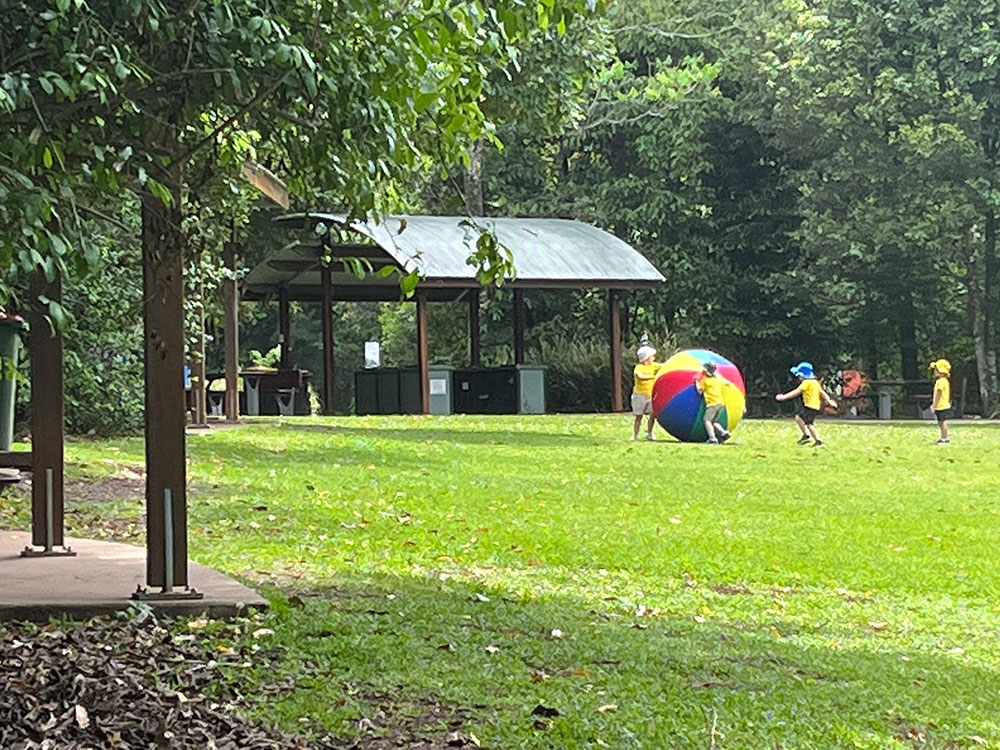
(813, 396)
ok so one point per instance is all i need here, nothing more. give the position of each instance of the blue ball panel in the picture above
(683, 416)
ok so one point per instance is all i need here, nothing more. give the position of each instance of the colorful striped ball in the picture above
(678, 406)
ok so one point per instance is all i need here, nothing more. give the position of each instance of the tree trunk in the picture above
(909, 353)
(474, 203)
(979, 342)
(990, 313)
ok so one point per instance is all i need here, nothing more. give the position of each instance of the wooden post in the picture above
(615, 339)
(475, 347)
(519, 326)
(326, 278)
(163, 318)
(284, 329)
(231, 303)
(198, 390)
(47, 416)
(423, 355)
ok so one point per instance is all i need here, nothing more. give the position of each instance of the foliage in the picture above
(104, 96)
(888, 115)
(102, 353)
(648, 592)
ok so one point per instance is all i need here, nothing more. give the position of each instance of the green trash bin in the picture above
(10, 347)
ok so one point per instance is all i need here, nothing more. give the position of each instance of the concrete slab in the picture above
(100, 580)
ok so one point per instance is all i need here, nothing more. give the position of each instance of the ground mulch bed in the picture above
(124, 683)
(133, 682)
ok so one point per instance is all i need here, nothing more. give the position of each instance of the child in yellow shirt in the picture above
(942, 396)
(710, 387)
(642, 390)
(813, 396)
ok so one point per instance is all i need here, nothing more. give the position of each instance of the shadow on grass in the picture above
(406, 651)
(424, 434)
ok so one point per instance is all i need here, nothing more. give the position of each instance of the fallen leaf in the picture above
(557, 633)
(545, 711)
(607, 707)
(81, 716)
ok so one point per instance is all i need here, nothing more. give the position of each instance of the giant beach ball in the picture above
(678, 406)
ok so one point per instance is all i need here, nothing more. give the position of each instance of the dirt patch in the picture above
(88, 491)
(109, 489)
(421, 725)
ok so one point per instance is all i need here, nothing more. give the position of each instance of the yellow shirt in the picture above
(711, 389)
(810, 393)
(942, 394)
(644, 377)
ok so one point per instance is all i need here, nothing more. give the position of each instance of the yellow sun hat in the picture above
(941, 365)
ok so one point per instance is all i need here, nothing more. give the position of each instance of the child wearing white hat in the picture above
(644, 375)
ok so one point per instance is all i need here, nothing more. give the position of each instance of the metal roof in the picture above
(547, 253)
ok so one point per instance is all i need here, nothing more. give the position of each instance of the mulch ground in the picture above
(130, 682)
(124, 683)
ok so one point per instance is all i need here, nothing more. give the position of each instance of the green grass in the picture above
(661, 595)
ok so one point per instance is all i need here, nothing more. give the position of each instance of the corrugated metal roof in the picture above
(544, 250)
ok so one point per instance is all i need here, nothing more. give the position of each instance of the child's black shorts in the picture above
(942, 414)
(808, 415)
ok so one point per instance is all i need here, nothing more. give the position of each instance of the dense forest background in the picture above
(816, 180)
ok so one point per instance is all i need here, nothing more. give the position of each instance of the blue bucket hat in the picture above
(802, 370)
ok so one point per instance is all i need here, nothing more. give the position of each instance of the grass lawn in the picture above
(545, 583)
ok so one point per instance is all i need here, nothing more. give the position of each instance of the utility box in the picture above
(516, 389)
(531, 389)
(387, 390)
(441, 388)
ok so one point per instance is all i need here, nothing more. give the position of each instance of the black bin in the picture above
(488, 390)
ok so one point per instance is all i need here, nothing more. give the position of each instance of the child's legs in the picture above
(801, 423)
(711, 425)
(812, 431)
(943, 424)
(637, 425)
(649, 424)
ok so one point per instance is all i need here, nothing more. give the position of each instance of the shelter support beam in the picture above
(475, 345)
(231, 331)
(163, 318)
(615, 341)
(328, 363)
(519, 326)
(198, 390)
(284, 329)
(423, 355)
(47, 416)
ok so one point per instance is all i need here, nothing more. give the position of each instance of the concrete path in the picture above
(100, 580)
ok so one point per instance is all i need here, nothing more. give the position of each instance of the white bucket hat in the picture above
(645, 352)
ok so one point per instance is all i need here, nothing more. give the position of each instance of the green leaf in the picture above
(408, 283)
